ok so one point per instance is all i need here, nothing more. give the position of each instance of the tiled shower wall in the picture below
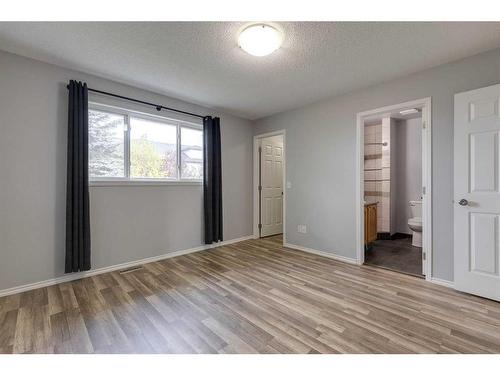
(378, 171)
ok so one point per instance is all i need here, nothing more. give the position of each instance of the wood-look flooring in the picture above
(251, 297)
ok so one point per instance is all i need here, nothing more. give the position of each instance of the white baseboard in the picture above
(81, 275)
(322, 253)
(442, 282)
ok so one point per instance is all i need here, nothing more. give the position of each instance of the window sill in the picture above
(105, 183)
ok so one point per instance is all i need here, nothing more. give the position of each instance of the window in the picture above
(106, 144)
(191, 153)
(153, 149)
(130, 146)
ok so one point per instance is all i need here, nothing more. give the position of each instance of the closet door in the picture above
(272, 186)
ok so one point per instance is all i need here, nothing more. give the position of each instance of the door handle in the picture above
(463, 202)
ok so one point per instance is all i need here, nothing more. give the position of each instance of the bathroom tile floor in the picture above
(398, 255)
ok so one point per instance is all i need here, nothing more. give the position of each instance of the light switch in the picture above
(288, 185)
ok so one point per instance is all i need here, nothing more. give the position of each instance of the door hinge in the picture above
(260, 226)
(423, 190)
(424, 125)
(423, 256)
(260, 187)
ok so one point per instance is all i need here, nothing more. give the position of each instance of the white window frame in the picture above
(127, 180)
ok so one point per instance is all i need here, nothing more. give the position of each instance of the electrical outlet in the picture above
(301, 228)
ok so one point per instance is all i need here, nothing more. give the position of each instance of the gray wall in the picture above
(128, 223)
(408, 171)
(321, 154)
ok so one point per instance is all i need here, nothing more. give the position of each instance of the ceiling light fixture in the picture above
(408, 111)
(260, 40)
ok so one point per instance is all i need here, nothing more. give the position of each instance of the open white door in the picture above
(477, 192)
(272, 185)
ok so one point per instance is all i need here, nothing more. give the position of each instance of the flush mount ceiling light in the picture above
(408, 111)
(260, 40)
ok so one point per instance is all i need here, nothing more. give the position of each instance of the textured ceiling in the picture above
(201, 62)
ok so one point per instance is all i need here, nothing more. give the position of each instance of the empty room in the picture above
(249, 187)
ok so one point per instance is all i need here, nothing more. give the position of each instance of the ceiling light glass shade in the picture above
(408, 111)
(260, 40)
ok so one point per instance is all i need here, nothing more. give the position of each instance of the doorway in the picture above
(269, 181)
(394, 200)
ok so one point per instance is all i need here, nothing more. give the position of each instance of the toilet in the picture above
(415, 223)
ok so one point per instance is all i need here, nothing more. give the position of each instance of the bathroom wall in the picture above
(408, 169)
(378, 158)
(393, 171)
(385, 199)
(373, 168)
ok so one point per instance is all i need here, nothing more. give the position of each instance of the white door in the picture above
(272, 185)
(477, 194)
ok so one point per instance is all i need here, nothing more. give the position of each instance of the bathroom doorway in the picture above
(394, 188)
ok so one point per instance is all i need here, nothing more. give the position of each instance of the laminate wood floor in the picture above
(251, 297)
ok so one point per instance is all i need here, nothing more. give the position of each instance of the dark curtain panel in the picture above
(77, 188)
(212, 180)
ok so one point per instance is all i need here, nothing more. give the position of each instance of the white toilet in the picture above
(415, 222)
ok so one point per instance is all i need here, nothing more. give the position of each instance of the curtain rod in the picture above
(157, 106)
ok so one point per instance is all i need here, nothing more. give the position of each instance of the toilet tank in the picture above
(416, 208)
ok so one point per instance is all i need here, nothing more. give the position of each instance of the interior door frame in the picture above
(426, 105)
(256, 140)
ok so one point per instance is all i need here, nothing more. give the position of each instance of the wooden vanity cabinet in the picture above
(370, 222)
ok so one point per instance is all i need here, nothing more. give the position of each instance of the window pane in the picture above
(106, 144)
(153, 149)
(191, 153)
